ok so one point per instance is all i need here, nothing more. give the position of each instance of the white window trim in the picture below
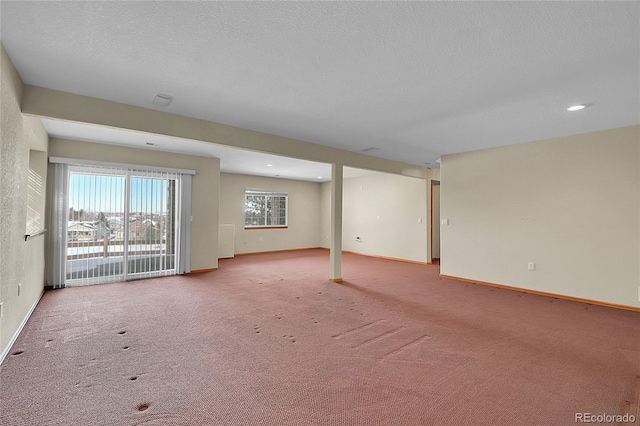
(266, 194)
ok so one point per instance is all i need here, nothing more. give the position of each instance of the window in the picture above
(265, 209)
(117, 222)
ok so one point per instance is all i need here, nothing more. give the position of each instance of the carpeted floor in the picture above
(268, 340)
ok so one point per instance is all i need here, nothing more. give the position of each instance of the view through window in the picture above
(121, 224)
(265, 209)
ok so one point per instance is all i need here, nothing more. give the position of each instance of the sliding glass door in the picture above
(122, 224)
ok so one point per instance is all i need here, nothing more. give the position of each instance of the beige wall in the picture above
(204, 192)
(20, 262)
(325, 214)
(42, 102)
(304, 213)
(36, 195)
(571, 205)
(361, 209)
(435, 222)
(384, 211)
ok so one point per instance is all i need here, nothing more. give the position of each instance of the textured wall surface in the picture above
(570, 205)
(415, 79)
(204, 192)
(385, 231)
(21, 263)
(389, 214)
(435, 222)
(304, 213)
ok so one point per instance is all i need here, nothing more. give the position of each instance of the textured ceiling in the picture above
(232, 160)
(414, 79)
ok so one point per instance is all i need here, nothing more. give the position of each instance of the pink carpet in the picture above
(268, 340)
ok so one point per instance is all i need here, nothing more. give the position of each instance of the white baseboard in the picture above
(19, 330)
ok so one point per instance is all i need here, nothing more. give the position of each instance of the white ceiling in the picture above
(232, 160)
(416, 80)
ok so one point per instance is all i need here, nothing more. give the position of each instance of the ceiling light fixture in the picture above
(162, 100)
(269, 165)
(576, 107)
(319, 177)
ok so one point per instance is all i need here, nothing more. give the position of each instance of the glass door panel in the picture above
(152, 230)
(95, 218)
(119, 217)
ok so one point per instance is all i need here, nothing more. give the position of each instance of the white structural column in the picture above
(336, 223)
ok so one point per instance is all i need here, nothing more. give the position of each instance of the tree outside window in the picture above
(264, 209)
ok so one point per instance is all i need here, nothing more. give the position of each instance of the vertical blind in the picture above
(118, 222)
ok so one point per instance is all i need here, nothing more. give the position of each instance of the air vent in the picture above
(162, 100)
(371, 149)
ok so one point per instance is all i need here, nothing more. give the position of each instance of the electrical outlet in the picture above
(531, 266)
(19, 289)
(1, 310)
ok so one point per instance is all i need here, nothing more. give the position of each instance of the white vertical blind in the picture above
(58, 225)
(119, 223)
(184, 264)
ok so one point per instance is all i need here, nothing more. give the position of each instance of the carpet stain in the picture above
(632, 406)
(290, 337)
(464, 356)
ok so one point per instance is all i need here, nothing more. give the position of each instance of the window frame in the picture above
(266, 195)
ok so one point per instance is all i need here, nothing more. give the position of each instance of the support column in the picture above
(336, 223)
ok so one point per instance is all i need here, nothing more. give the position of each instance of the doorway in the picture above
(121, 224)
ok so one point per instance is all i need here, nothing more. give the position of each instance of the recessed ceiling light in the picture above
(162, 100)
(576, 107)
(319, 177)
(269, 165)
